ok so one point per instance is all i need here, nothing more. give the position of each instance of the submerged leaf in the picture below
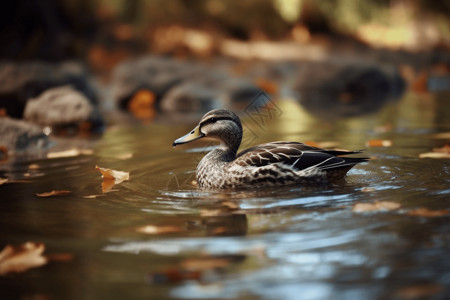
(19, 258)
(54, 193)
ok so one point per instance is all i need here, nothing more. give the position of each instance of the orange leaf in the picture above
(379, 143)
(15, 259)
(111, 178)
(425, 212)
(54, 193)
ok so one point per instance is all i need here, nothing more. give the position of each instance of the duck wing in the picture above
(296, 156)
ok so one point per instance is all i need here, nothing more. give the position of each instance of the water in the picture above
(284, 243)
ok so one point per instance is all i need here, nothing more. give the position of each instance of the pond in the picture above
(156, 236)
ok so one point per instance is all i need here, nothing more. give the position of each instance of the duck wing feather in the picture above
(297, 156)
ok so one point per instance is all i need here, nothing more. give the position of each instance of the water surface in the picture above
(284, 243)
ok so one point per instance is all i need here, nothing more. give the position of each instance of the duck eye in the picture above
(213, 120)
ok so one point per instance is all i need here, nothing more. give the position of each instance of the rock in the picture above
(58, 106)
(154, 74)
(20, 136)
(22, 81)
(332, 92)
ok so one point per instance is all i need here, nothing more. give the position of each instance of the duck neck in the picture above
(210, 170)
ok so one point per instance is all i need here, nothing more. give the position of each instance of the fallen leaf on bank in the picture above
(111, 178)
(3, 180)
(425, 212)
(142, 105)
(70, 153)
(153, 229)
(377, 206)
(19, 258)
(54, 193)
(419, 291)
(378, 143)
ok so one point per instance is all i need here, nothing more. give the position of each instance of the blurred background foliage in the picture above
(56, 30)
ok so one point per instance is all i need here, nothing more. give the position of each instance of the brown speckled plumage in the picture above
(271, 164)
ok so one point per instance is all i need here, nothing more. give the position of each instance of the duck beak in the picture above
(195, 134)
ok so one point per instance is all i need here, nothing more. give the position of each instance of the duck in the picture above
(272, 164)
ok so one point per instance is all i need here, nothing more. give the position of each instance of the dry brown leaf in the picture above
(70, 153)
(152, 229)
(377, 206)
(54, 193)
(378, 143)
(111, 178)
(124, 156)
(3, 180)
(425, 212)
(19, 258)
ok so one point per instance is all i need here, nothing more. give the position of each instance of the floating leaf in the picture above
(425, 212)
(152, 229)
(33, 167)
(379, 143)
(54, 193)
(70, 153)
(434, 155)
(111, 178)
(3, 180)
(377, 206)
(443, 152)
(19, 258)
(124, 156)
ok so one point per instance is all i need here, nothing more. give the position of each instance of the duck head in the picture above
(219, 124)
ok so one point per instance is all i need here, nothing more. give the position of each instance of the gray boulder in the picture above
(58, 106)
